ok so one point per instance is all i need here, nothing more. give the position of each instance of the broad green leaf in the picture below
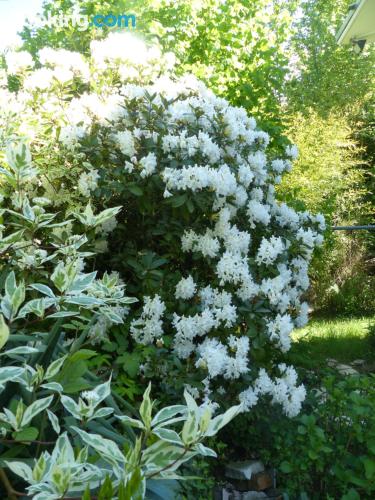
(28, 434)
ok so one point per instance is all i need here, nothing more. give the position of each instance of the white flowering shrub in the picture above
(218, 265)
(63, 433)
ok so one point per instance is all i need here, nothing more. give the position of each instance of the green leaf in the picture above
(28, 434)
(106, 491)
(135, 487)
(351, 495)
(86, 495)
(134, 189)
(369, 465)
(286, 467)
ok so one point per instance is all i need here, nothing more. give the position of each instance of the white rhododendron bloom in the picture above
(150, 325)
(18, 61)
(196, 178)
(185, 288)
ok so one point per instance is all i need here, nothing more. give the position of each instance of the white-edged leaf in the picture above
(54, 421)
(44, 289)
(20, 350)
(108, 449)
(221, 420)
(53, 386)
(102, 412)
(71, 406)
(102, 391)
(63, 314)
(54, 367)
(204, 451)
(35, 408)
(168, 435)
(191, 403)
(83, 300)
(130, 421)
(20, 469)
(168, 413)
(10, 373)
(82, 282)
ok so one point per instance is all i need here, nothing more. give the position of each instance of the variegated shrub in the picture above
(63, 433)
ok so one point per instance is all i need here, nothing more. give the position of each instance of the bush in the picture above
(214, 259)
(326, 452)
(330, 449)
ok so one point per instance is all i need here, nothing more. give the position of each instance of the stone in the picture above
(274, 494)
(261, 481)
(358, 362)
(253, 495)
(331, 362)
(346, 370)
(243, 470)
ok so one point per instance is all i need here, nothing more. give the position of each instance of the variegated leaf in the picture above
(35, 408)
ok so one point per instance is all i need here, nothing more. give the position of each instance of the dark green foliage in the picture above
(326, 452)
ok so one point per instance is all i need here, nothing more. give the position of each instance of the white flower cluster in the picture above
(283, 390)
(88, 181)
(149, 326)
(217, 311)
(18, 61)
(185, 288)
(249, 252)
(213, 356)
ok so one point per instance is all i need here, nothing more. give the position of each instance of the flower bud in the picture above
(4, 332)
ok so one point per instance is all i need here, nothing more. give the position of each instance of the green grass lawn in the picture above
(343, 339)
